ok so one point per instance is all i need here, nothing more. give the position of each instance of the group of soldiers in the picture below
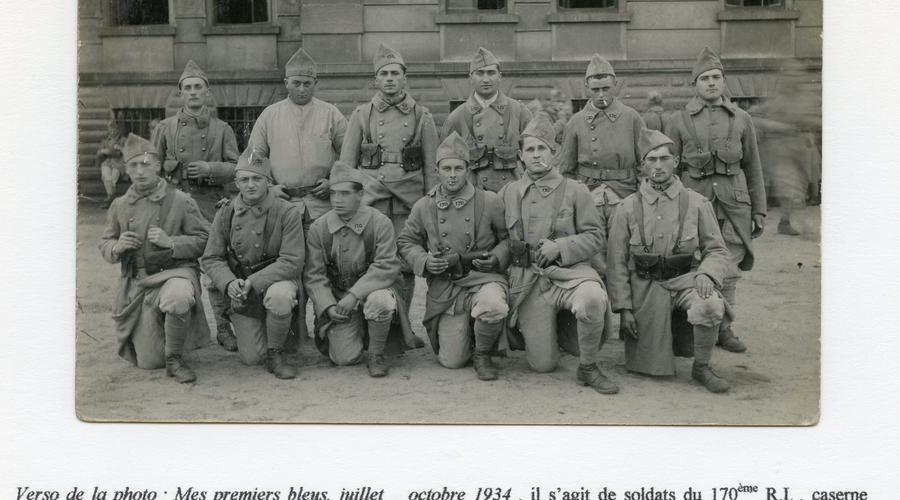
(532, 232)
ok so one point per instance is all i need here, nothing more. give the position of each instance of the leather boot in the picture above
(484, 367)
(378, 334)
(704, 374)
(485, 337)
(277, 365)
(591, 376)
(730, 343)
(225, 337)
(176, 367)
(376, 365)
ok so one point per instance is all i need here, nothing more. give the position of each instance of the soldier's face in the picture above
(602, 91)
(486, 81)
(194, 92)
(659, 165)
(710, 85)
(452, 173)
(390, 79)
(253, 186)
(536, 156)
(301, 89)
(345, 198)
(143, 171)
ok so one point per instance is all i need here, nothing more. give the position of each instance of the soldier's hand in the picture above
(487, 264)
(321, 190)
(436, 265)
(129, 240)
(278, 190)
(704, 286)
(759, 224)
(548, 252)
(198, 170)
(158, 237)
(336, 315)
(629, 324)
(235, 290)
(347, 305)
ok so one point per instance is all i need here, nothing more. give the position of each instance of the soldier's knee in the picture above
(544, 362)
(281, 298)
(490, 304)
(453, 360)
(346, 357)
(176, 296)
(151, 360)
(706, 312)
(589, 302)
(380, 305)
(253, 356)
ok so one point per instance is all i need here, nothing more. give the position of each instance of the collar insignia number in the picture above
(443, 204)
(358, 226)
(459, 203)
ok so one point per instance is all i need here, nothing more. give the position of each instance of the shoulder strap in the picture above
(437, 227)
(267, 232)
(369, 241)
(327, 242)
(691, 128)
(639, 218)
(367, 127)
(417, 135)
(165, 208)
(478, 206)
(682, 215)
(557, 204)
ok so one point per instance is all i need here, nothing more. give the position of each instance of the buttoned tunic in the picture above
(136, 303)
(302, 142)
(498, 125)
(184, 138)
(652, 301)
(734, 195)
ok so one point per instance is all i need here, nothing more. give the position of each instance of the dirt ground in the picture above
(775, 383)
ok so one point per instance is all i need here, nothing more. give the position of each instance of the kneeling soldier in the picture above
(449, 238)
(554, 231)
(666, 252)
(157, 233)
(255, 255)
(352, 274)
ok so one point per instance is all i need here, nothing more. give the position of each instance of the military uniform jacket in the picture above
(348, 253)
(493, 129)
(736, 186)
(601, 145)
(184, 138)
(247, 239)
(393, 127)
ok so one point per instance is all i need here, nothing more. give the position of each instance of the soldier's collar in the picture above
(357, 223)
(500, 103)
(652, 195)
(546, 184)
(201, 118)
(457, 201)
(613, 111)
(696, 105)
(132, 196)
(405, 106)
(259, 209)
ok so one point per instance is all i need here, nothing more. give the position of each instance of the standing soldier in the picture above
(392, 139)
(490, 122)
(655, 116)
(199, 152)
(352, 275)
(600, 144)
(255, 255)
(554, 230)
(157, 234)
(450, 238)
(652, 268)
(719, 158)
(302, 136)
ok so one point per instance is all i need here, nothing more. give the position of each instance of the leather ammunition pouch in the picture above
(158, 260)
(698, 165)
(728, 161)
(653, 266)
(299, 191)
(340, 282)
(370, 155)
(647, 266)
(507, 155)
(460, 265)
(519, 253)
(412, 158)
(244, 271)
(677, 264)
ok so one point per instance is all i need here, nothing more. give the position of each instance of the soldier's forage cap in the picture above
(252, 160)
(386, 55)
(192, 69)
(541, 127)
(706, 61)
(599, 67)
(651, 139)
(341, 172)
(136, 145)
(483, 57)
(454, 146)
(300, 64)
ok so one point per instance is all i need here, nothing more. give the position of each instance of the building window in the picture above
(138, 12)
(137, 120)
(754, 3)
(469, 5)
(455, 104)
(588, 4)
(578, 105)
(241, 11)
(241, 120)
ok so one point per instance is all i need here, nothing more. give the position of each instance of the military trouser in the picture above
(345, 339)
(737, 251)
(705, 315)
(175, 300)
(537, 322)
(488, 306)
(255, 336)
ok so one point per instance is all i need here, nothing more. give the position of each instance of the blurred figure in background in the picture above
(109, 159)
(655, 116)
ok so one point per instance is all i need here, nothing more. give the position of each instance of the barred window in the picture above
(138, 12)
(137, 120)
(241, 11)
(241, 119)
(464, 5)
(578, 105)
(588, 4)
(754, 3)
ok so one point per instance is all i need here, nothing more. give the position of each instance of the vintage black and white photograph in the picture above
(449, 211)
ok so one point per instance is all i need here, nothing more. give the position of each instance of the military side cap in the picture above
(386, 55)
(254, 161)
(136, 145)
(706, 61)
(483, 57)
(192, 69)
(541, 127)
(342, 172)
(651, 139)
(454, 146)
(598, 67)
(300, 64)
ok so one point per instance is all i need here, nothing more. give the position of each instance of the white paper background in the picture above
(855, 446)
